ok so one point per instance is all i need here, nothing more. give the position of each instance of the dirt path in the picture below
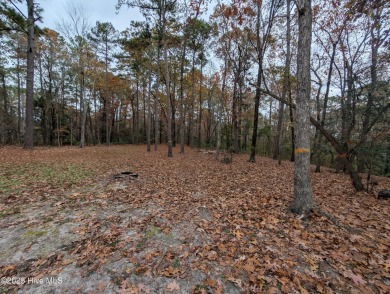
(188, 224)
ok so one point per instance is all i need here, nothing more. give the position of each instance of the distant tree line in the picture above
(228, 82)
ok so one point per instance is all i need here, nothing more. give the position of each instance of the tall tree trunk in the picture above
(29, 134)
(173, 112)
(286, 85)
(5, 96)
(144, 107)
(97, 124)
(182, 114)
(5, 121)
(137, 111)
(200, 106)
(149, 119)
(239, 113)
(292, 127)
(191, 120)
(220, 108)
(375, 27)
(19, 97)
(303, 199)
(108, 104)
(325, 106)
(252, 157)
(83, 105)
(169, 109)
(156, 122)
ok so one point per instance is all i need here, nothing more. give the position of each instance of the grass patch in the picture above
(176, 263)
(14, 179)
(8, 212)
(153, 231)
(35, 234)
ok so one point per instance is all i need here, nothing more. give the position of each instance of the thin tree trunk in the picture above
(137, 111)
(375, 27)
(191, 121)
(169, 109)
(292, 127)
(29, 134)
(200, 107)
(19, 97)
(286, 84)
(182, 115)
(107, 110)
(235, 146)
(324, 108)
(220, 109)
(149, 119)
(156, 122)
(83, 104)
(252, 157)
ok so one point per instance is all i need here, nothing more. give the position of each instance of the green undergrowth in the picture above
(18, 178)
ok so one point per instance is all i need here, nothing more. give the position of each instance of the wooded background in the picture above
(210, 75)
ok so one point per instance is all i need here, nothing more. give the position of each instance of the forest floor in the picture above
(70, 222)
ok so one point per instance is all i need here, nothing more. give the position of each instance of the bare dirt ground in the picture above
(70, 222)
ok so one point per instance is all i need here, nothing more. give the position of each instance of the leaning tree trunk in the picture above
(303, 199)
(29, 133)
(324, 109)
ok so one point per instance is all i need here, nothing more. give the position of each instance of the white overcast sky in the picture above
(102, 10)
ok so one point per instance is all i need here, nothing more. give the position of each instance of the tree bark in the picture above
(169, 109)
(356, 181)
(252, 157)
(286, 85)
(303, 200)
(182, 115)
(108, 104)
(149, 118)
(19, 96)
(200, 106)
(191, 120)
(156, 135)
(220, 108)
(29, 134)
(292, 127)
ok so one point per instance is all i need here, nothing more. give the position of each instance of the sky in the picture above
(102, 10)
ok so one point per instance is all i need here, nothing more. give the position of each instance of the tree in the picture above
(29, 134)
(104, 35)
(303, 199)
(75, 28)
(162, 12)
(262, 42)
(15, 20)
(286, 85)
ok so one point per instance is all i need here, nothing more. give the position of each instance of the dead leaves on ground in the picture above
(229, 222)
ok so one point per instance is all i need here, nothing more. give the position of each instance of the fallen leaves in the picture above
(357, 279)
(173, 286)
(228, 223)
(235, 281)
